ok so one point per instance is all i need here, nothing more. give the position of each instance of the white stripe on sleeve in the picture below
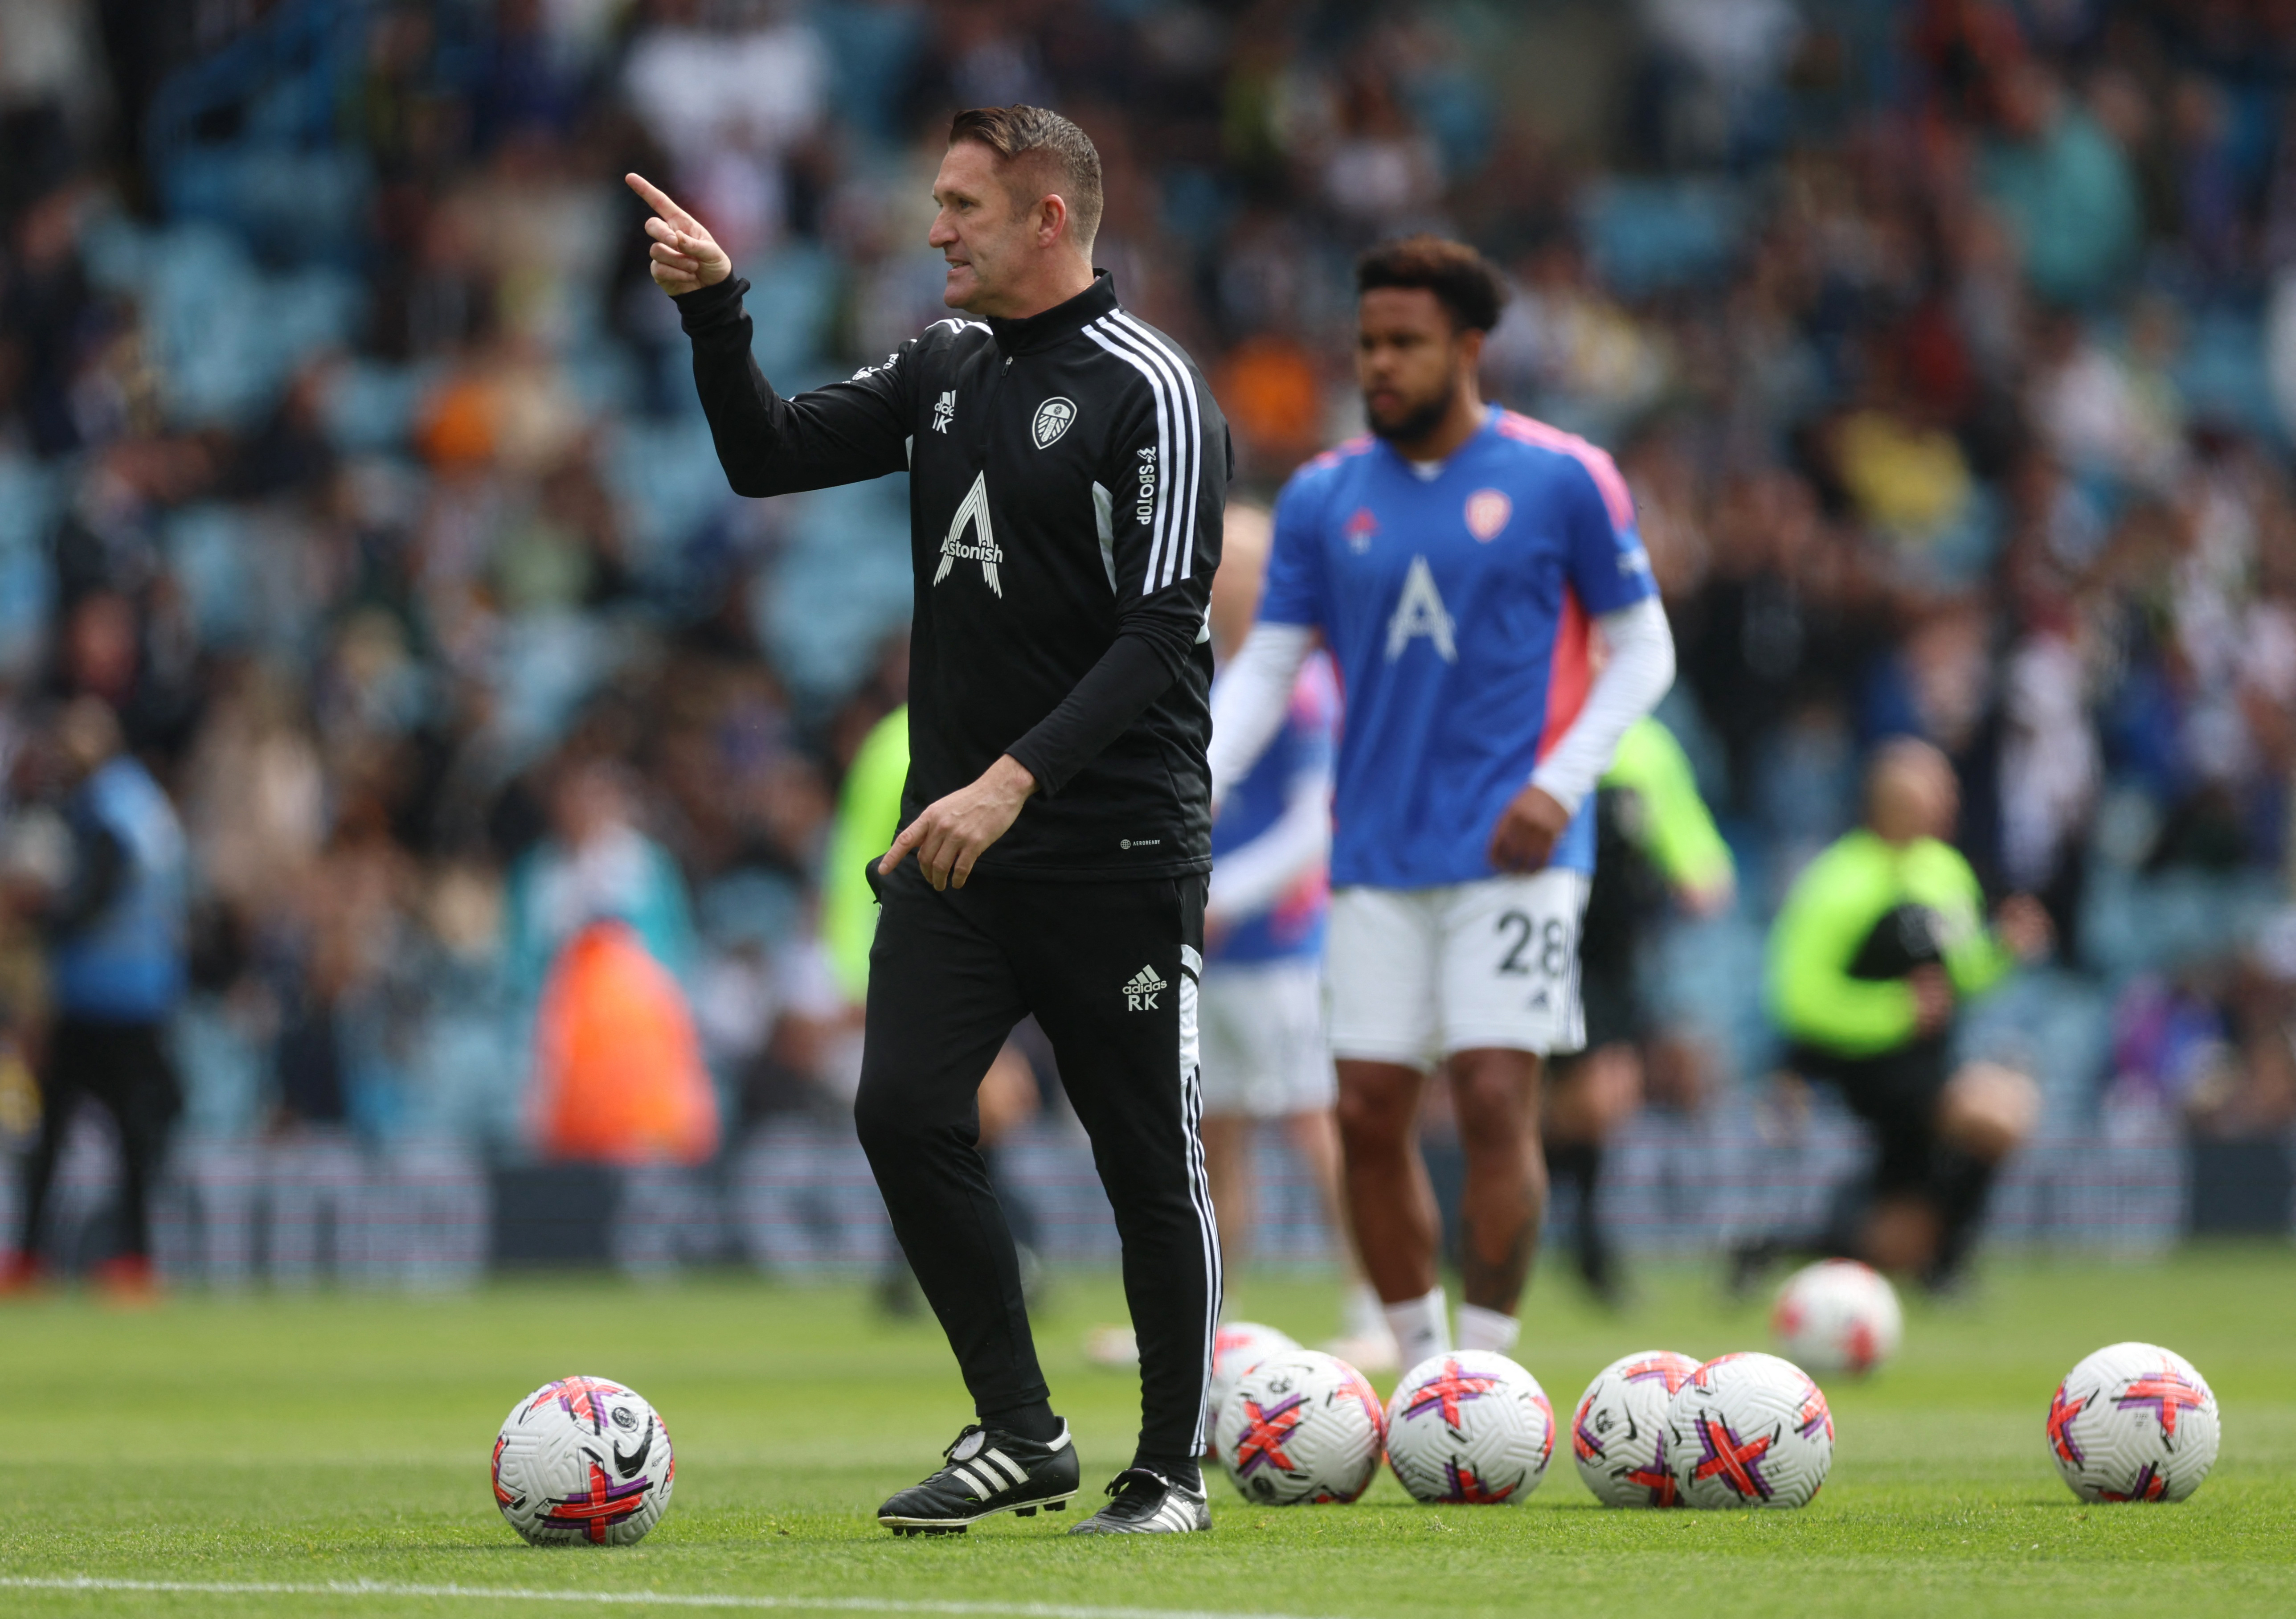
(1184, 388)
(1164, 505)
(1177, 478)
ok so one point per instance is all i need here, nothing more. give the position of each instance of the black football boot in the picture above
(1148, 1503)
(990, 1471)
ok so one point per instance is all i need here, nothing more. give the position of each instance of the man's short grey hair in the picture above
(1042, 151)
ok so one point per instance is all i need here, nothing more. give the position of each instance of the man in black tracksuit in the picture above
(1067, 467)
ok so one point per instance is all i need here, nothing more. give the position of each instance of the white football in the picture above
(583, 1460)
(1838, 1316)
(1618, 1434)
(1748, 1430)
(1302, 1426)
(2134, 1423)
(1236, 1348)
(1471, 1427)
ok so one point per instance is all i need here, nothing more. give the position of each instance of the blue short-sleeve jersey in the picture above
(1457, 607)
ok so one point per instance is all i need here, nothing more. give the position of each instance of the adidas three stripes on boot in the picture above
(990, 1471)
(1146, 1502)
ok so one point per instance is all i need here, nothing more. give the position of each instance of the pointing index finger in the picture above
(660, 201)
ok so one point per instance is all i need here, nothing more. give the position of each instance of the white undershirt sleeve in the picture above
(1251, 698)
(1249, 880)
(1636, 674)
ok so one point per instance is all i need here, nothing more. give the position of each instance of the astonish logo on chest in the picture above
(972, 513)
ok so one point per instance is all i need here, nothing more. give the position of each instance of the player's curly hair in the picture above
(1046, 147)
(1465, 282)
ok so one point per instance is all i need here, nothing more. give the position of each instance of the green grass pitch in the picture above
(320, 1441)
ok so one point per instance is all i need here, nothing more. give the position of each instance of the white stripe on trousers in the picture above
(1200, 1193)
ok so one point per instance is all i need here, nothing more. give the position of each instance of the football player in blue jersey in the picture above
(1456, 563)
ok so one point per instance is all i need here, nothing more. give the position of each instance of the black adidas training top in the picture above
(1066, 479)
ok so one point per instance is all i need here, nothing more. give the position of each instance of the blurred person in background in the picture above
(1655, 846)
(601, 938)
(1454, 561)
(1879, 943)
(597, 863)
(116, 965)
(1261, 1012)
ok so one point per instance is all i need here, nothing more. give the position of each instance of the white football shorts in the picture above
(1416, 974)
(1261, 1025)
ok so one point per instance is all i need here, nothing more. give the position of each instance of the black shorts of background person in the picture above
(1591, 1092)
(1940, 1131)
(1630, 1055)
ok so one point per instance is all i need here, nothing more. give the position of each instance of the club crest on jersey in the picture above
(1053, 419)
(1360, 527)
(1487, 511)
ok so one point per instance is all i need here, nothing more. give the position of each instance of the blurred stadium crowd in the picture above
(346, 451)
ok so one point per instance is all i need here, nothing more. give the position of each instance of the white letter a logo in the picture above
(1418, 612)
(972, 513)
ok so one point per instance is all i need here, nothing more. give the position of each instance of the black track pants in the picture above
(1109, 970)
(125, 1066)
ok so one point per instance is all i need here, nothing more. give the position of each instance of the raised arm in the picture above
(769, 445)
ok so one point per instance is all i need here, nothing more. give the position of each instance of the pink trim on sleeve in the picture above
(1617, 498)
(1338, 453)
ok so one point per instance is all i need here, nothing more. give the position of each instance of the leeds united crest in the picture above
(1053, 419)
